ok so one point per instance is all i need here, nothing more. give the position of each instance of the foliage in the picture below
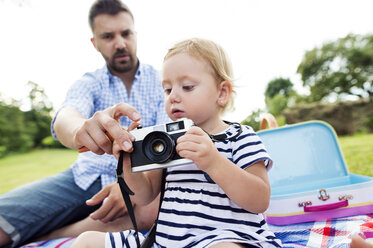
(38, 117)
(277, 104)
(347, 117)
(279, 86)
(38, 99)
(253, 120)
(278, 95)
(14, 134)
(340, 68)
(22, 130)
(50, 142)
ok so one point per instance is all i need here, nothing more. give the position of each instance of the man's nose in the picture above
(120, 43)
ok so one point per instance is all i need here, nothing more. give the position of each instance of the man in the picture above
(96, 107)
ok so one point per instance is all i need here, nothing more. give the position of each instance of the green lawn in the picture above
(19, 169)
(358, 153)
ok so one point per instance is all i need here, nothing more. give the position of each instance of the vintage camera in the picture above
(154, 147)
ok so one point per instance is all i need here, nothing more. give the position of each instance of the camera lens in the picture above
(158, 146)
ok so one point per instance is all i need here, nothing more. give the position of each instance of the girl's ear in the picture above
(225, 91)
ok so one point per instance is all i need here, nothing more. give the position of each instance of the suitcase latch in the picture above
(303, 204)
(345, 197)
(323, 195)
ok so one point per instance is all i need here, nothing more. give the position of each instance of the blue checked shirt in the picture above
(99, 90)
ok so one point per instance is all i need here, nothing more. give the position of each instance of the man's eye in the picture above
(126, 33)
(107, 36)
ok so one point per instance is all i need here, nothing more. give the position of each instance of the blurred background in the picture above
(299, 60)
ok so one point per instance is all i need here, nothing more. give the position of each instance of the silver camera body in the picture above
(154, 147)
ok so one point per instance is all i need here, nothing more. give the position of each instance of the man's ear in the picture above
(93, 42)
(225, 92)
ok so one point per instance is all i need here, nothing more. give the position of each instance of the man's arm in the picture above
(74, 131)
(67, 122)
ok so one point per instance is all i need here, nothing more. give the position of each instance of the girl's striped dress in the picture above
(196, 212)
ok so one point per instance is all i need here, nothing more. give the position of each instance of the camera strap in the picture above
(126, 192)
(223, 136)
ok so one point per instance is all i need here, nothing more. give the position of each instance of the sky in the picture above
(48, 41)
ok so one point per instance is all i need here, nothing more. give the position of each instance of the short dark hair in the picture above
(110, 7)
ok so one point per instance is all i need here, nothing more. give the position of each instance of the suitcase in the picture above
(310, 180)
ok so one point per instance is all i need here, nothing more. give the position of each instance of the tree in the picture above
(281, 86)
(38, 99)
(340, 68)
(38, 118)
(13, 131)
(253, 119)
(23, 130)
(278, 94)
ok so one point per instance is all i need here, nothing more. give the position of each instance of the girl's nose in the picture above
(174, 96)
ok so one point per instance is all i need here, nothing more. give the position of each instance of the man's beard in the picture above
(121, 67)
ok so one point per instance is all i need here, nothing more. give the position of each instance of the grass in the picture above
(18, 169)
(358, 153)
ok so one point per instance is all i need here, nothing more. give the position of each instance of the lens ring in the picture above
(151, 143)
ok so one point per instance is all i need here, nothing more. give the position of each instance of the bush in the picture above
(253, 120)
(50, 142)
(2, 151)
(346, 117)
(14, 133)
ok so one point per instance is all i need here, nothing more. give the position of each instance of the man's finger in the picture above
(102, 212)
(124, 109)
(85, 149)
(99, 197)
(133, 126)
(110, 216)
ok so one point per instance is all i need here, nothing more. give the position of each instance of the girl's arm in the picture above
(249, 188)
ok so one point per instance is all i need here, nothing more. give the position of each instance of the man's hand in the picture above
(113, 205)
(75, 131)
(95, 133)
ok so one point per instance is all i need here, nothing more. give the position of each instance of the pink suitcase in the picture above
(310, 180)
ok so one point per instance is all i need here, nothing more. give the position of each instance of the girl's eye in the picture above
(167, 91)
(188, 87)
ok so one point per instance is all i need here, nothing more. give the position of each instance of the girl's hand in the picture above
(197, 146)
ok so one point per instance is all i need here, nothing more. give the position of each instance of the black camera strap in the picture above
(223, 136)
(126, 192)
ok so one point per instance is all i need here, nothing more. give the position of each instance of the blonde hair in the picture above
(213, 54)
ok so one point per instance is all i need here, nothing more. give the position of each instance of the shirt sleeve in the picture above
(80, 96)
(249, 149)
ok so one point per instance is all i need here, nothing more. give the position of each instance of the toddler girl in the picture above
(218, 200)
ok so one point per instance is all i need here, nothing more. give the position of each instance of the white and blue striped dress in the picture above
(196, 212)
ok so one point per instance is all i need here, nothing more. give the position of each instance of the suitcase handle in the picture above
(326, 206)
